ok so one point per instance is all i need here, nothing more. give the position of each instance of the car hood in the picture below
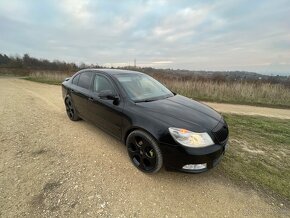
(182, 112)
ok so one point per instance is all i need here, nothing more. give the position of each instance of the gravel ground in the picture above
(251, 110)
(51, 166)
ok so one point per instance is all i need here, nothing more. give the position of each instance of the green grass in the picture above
(259, 152)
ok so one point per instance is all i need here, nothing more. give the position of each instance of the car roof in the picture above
(113, 71)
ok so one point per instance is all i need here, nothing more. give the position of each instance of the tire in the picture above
(144, 151)
(70, 110)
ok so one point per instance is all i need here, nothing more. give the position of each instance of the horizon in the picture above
(157, 68)
(200, 35)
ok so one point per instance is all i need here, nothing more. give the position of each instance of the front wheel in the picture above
(144, 151)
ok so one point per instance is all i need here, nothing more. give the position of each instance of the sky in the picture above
(180, 34)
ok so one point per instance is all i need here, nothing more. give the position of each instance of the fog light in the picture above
(194, 166)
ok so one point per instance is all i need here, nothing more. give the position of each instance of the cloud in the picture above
(181, 24)
(211, 35)
(161, 62)
(77, 10)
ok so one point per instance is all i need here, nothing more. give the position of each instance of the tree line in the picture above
(31, 63)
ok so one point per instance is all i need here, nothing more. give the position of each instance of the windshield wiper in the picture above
(146, 100)
(153, 99)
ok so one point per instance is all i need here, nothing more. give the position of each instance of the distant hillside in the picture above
(215, 75)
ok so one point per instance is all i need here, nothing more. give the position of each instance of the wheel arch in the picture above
(133, 128)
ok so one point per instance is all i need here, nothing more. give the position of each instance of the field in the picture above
(262, 94)
(54, 78)
(238, 92)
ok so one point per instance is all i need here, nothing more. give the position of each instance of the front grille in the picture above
(221, 132)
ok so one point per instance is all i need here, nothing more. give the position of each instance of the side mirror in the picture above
(108, 94)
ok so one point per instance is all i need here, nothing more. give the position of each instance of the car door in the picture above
(105, 113)
(80, 91)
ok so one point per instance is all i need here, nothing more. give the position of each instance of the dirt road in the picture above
(51, 166)
(251, 110)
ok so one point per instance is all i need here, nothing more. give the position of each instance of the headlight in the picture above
(190, 139)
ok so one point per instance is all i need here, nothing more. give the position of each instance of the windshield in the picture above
(141, 87)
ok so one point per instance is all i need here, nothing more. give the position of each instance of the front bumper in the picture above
(175, 157)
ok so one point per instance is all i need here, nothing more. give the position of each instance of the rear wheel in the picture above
(144, 151)
(70, 110)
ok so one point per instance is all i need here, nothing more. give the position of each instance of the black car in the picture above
(158, 126)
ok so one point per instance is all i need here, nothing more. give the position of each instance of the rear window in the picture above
(85, 80)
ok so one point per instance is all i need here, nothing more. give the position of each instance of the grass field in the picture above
(263, 94)
(259, 152)
(54, 78)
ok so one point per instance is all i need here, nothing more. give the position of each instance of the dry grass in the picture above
(230, 92)
(51, 77)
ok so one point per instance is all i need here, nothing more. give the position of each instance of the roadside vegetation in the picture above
(54, 78)
(259, 152)
(237, 92)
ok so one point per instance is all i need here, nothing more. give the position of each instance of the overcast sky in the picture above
(199, 35)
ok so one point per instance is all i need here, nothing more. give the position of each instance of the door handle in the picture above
(91, 99)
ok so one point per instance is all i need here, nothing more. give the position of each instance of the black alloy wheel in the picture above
(144, 152)
(70, 110)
